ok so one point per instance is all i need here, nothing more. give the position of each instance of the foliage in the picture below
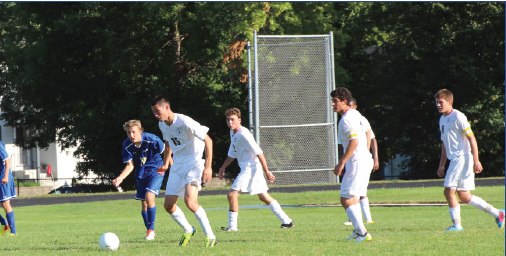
(458, 46)
(75, 72)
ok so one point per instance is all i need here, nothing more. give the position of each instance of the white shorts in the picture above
(367, 177)
(251, 179)
(183, 173)
(460, 174)
(356, 178)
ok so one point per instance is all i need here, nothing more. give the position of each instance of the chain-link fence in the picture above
(291, 115)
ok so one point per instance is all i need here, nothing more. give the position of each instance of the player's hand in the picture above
(441, 172)
(161, 170)
(221, 172)
(376, 165)
(477, 167)
(338, 169)
(270, 176)
(5, 180)
(116, 182)
(208, 175)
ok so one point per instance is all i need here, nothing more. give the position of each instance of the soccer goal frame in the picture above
(290, 78)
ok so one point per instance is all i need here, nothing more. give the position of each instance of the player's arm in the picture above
(474, 150)
(347, 154)
(208, 172)
(227, 162)
(7, 163)
(128, 169)
(374, 146)
(442, 162)
(368, 136)
(167, 159)
(263, 162)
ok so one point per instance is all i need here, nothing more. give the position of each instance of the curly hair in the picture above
(342, 94)
(233, 111)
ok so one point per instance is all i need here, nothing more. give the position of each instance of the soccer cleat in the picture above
(211, 242)
(5, 228)
(185, 240)
(367, 237)
(500, 220)
(150, 235)
(10, 234)
(353, 235)
(228, 229)
(348, 223)
(369, 222)
(453, 228)
(289, 225)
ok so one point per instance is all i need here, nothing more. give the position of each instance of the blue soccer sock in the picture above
(151, 218)
(12, 223)
(145, 218)
(2, 221)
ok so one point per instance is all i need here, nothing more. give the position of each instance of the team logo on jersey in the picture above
(143, 160)
(179, 131)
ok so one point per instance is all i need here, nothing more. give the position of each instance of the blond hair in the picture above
(444, 94)
(133, 123)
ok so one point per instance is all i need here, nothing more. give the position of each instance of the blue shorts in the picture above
(151, 184)
(7, 191)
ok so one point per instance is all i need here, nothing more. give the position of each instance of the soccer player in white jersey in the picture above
(460, 147)
(371, 143)
(186, 139)
(251, 160)
(356, 158)
(141, 152)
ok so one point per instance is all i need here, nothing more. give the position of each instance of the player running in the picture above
(356, 158)
(187, 140)
(460, 147)
(7, 192)
(251, 179)
(141, 152)
(371, 143)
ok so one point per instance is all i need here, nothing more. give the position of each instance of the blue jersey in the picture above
(3, 156)
(146, 158)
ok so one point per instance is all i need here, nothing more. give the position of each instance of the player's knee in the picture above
(170, 208)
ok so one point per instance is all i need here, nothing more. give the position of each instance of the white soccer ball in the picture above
(109, 242)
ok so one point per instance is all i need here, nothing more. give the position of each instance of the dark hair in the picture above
(160, 99)
(342, 94)
(352, 100)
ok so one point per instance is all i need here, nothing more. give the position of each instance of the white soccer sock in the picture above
(354, 213)
(180, 219)
(455, 216)
(480, 204)
(276, 209)
(201, 216)
(232, 220)
(364, 203)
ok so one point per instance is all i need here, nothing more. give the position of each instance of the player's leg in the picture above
(5, 227)
(480, 204)
(191, 200)
(9, 213)
(141, 195)
(152, 190)
(351, 187)
(364, 200)
(144, 213)
(275, 207)
(233, 210)
(454, 209)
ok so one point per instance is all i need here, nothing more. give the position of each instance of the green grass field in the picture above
(74, 229)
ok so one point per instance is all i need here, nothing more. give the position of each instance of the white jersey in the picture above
(244, 147)
(454, 129)
(366, 126)
(185, 137)
(349, 128)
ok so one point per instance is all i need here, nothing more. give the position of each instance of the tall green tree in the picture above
(420, 48)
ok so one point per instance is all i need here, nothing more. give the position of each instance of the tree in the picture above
(424, 47)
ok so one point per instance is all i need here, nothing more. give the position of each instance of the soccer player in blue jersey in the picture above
(141, 152)
(7, 192)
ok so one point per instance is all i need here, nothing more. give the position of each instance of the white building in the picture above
(31, 165)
